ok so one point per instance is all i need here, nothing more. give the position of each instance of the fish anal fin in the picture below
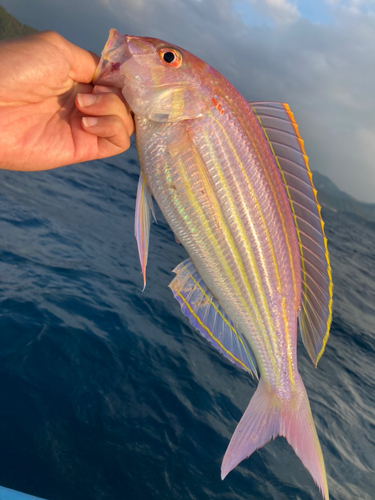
(281, 131)
(205, 314)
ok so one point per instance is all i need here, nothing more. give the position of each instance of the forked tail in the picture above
(268, 416)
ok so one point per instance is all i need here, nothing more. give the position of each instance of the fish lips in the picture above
(115, 53)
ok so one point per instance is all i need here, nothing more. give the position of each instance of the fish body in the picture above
(208, 163)
(205, 180)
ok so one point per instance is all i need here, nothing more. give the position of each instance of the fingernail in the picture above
(90, 121)
(85, 100)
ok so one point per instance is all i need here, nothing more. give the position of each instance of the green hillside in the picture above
(10, 27)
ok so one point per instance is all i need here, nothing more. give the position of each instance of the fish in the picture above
(233, 182)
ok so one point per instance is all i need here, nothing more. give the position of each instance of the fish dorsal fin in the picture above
(143, 207)
(205, 314)
(281, 131)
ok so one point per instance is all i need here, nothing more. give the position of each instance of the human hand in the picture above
(45, 91)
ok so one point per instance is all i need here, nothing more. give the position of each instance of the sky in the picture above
(316, 55)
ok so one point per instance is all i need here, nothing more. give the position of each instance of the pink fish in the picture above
(233, 182)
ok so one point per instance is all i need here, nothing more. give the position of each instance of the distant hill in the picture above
(330, 196)
(10, 27)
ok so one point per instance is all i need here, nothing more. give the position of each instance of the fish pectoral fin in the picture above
(281, 131)
(143, 207)
(205, 314)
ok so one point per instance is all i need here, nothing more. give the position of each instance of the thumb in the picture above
(82, 62)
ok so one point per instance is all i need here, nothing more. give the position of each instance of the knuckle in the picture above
(112, 99)
(51, 37)
(110, 126)
(105, 104)
(120, 122)
(116, 124)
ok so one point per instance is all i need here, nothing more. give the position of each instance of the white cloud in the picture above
(278, 11)
(356, 7)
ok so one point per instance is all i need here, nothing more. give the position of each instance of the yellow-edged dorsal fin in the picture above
(281, 130)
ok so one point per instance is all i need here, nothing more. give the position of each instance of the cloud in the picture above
(278, 11)
(355, 7)
(324, 71)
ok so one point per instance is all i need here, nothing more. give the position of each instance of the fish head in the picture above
(160, 81)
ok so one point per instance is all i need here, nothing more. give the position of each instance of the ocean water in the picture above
(106, 392)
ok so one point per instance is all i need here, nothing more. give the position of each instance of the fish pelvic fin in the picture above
(268, 416)
(142, 222)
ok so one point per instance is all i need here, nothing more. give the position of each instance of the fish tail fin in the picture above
(268, 416)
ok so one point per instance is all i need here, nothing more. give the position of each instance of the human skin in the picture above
(50, 113)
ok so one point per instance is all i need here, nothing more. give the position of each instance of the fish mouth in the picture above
(115, 53)
(104, 73)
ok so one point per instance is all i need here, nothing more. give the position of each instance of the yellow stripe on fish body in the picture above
(256, 317)
(273, 331)
(280, 211)
(272, 348)
(200, 215)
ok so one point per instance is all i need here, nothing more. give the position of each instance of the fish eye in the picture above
(168, 57)
(171, 56)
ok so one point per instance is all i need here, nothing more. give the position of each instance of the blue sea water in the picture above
(106, 392)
